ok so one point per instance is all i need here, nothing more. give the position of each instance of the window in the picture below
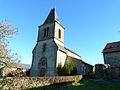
(43, 62)
(46, 31)
(59, 33)
(44, 47)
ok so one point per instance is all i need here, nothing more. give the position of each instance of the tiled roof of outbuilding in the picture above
(112, 47)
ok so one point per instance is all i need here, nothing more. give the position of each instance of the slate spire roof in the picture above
(52, 17)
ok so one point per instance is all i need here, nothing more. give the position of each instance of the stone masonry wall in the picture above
(19, 83)
(112, 58)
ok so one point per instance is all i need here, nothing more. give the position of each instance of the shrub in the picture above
(67, 69)
(60, 69)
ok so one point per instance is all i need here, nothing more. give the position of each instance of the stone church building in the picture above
(50, 49)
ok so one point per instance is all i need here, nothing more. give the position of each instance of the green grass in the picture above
(86, 85)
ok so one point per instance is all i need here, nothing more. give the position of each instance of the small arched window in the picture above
(59, 34)
(44, 47)
(46, 32)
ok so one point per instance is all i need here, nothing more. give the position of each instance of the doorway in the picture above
(42, 71)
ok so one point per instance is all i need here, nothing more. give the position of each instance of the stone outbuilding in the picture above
(111, 54)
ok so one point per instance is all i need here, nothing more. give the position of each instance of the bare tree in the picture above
(7, 58)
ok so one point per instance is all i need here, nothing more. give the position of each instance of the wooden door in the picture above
(42, 71)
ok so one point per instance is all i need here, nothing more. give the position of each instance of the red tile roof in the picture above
(112, 47)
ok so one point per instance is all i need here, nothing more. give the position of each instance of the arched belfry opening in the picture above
(59, 34)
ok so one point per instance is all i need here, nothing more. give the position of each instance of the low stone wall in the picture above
(19, 83)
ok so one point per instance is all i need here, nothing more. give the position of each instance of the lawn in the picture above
(86, 85)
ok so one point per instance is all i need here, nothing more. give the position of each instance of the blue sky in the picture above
(89, 24)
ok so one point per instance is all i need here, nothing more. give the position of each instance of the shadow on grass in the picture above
(55, 86)
(83, 85)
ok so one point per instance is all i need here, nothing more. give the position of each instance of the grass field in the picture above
(86, 85)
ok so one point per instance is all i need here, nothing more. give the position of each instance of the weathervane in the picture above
(53, 4)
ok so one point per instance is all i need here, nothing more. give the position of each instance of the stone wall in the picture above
(19, 83)
(100, 70)
(106, 71)
(112, 58)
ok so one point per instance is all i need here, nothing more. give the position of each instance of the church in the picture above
(50, 50)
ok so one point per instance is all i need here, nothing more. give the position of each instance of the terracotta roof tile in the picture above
(112, 47)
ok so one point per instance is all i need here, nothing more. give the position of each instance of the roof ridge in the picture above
(72, 51)
(113, 42)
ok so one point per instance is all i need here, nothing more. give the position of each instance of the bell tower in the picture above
(51, 28)
(50, 40)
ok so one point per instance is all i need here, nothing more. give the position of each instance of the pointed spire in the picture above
(52, 17)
